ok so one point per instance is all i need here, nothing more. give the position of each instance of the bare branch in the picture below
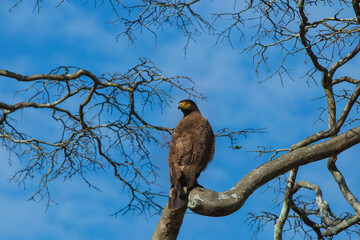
(346, 223)
(62, 77)
(305, 41)
(101, 126)
(346, 79)
(323, 206)
(344, 60)
(278, 228)
(210, 203)
(153, 14)
(356, 7)
(303, 215)
(337, 126)
(169, 224)
(234, 135)
(340, 180)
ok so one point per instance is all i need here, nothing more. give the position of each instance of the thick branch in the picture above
(169, 224)
(209, 203)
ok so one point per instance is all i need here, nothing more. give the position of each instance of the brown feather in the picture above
(191, 149)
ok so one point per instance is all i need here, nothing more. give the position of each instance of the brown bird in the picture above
(192, 147)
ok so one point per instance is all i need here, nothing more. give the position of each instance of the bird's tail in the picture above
(175, 203)
(178, 197)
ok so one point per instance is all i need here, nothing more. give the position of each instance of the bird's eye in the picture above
(186, 104)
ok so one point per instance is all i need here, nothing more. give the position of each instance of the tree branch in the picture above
(305, 41)
(321, 204)
(356, 7)
(340, 180)
(62, 77)
(344, 60)
(335, 128)
(98, 125)
(280, 222)
(303, 215)
(169, 224)
(209, 203)
(344, 224)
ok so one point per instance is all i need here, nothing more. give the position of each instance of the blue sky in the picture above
(81, 36)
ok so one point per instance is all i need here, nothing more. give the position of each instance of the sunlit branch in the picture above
(341, 226)
(287, 202)
(210, 203)
(345, 79)
(340, 180)
(322, 205)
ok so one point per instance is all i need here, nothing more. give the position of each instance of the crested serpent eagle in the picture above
(191, 149)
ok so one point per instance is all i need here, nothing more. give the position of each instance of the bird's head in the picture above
(187, 106)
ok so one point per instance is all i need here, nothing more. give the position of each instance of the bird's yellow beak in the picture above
(180, 105)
